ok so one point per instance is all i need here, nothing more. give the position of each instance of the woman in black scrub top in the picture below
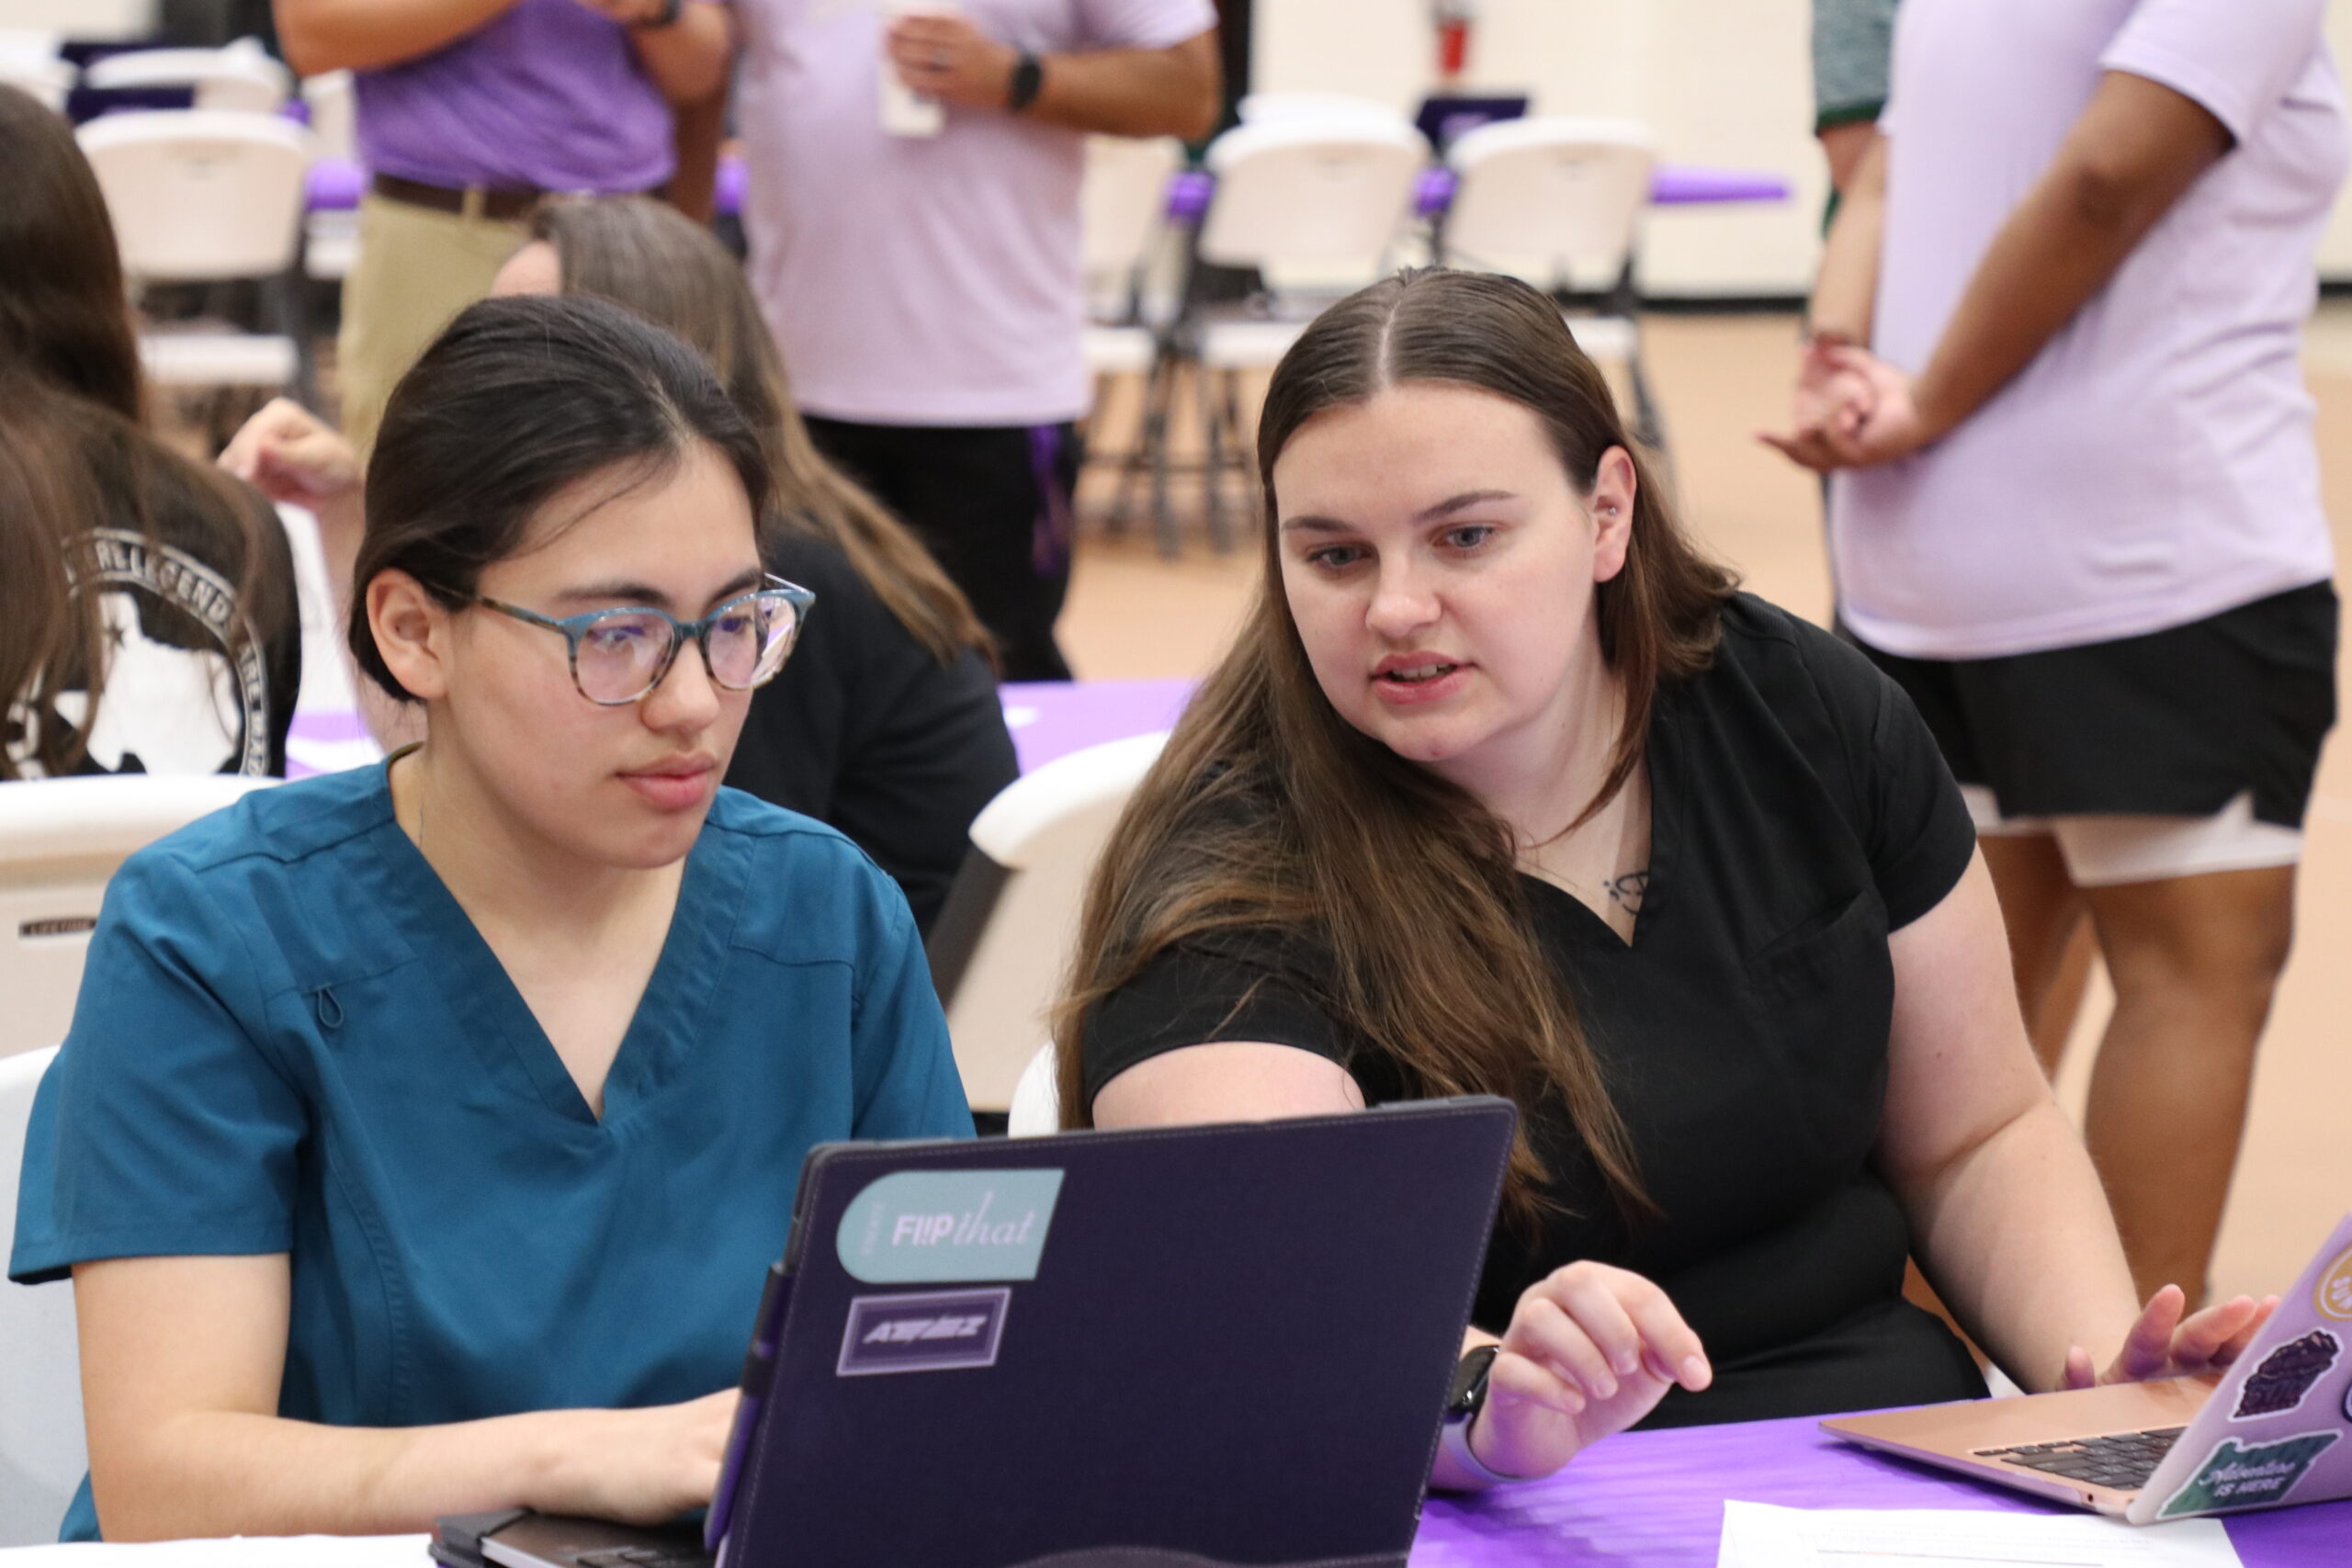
(1504, 789)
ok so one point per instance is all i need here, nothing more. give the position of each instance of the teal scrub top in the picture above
(290, 1039)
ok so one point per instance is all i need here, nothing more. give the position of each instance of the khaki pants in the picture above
(416, 268)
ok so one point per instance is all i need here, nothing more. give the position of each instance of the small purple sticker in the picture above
(927, 1333)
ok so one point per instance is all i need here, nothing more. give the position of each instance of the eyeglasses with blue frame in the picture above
(619, 655)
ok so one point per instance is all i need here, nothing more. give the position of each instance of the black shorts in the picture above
(2174, 722)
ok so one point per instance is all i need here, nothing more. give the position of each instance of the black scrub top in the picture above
(1800, 812)
(866, 731)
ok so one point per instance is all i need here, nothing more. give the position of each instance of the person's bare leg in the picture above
(2195, 960)
(2042, 911)
(2052, 1024)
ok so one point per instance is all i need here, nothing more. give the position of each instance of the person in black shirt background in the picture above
(887, 724)
(147, 614)
(1505, 790)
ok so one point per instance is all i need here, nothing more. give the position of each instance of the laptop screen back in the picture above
(1231, 1343)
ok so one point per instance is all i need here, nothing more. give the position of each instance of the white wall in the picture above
(1724, 82)
(80, 19)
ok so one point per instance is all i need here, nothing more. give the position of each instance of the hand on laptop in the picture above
(639, 1467)
(2166, 1343)
(1589, 1351)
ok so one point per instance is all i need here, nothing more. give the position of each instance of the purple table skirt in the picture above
(1656, 1499)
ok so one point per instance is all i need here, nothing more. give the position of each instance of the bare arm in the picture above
(1175, 91)
(181, 1361)
(1845, 292)
(687, 60)
(2007, 1215)
(359, 35)
(1843, 146)
(2135, 151)
(1589, 1350)
(700, 129)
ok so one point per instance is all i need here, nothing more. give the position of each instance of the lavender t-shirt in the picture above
(2155, 465)
(547, 95)
(922, 280)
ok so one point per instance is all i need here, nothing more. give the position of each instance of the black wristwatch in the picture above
(670, 11)
(1465, 1397)
(1028, 80)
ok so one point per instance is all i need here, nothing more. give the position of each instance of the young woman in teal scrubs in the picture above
(425, 1131)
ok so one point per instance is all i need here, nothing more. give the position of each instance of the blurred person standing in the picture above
(469, 111)
(2077, 512)
(913, 222)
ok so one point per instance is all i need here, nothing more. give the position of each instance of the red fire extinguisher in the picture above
(1454, 18)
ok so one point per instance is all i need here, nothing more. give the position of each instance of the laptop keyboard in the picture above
(642, 1557)
(2123, 1461)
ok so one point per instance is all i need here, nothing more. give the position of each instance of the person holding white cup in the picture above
(912, 214)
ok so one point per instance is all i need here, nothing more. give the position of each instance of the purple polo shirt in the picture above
(548, 94)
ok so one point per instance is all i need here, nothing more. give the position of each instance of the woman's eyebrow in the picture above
(1311, 523)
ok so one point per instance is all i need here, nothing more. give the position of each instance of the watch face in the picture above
(1468, 1389)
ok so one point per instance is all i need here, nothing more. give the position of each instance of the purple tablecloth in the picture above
(1053, 719)
(1656, 1499)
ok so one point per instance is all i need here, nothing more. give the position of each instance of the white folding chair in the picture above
(239, 76)
(1328, 196)
(1001, 944)
(1553, 198)
(1036, 1098)
(60, 840)
(29, 62)
(42, 1452)
(207, 196)
(331, 239)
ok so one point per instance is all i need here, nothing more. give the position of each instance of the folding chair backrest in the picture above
(240, 75)
(1000, 947)
(1123, 204)
(42, 1452)
(1320, 192)
(200, 195)
(60, 840)
(1536, 197)
(48, 79)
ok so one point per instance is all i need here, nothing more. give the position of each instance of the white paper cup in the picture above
(906, 112)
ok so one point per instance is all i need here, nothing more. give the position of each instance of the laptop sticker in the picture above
(2252, 1476)
(931, 1228)
(2333, 1295)
(928, 1333)
(2279, 1384)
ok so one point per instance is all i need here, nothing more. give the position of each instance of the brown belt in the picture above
(502, 206)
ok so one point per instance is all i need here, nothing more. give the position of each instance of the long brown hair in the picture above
(1267, 809)
(63, 316)
(650, 257)
(74, 457)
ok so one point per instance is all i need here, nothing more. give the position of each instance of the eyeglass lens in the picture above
(623, 653)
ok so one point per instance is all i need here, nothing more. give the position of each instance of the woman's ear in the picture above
(411, 633)
(1611, 503)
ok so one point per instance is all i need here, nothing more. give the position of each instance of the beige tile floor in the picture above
(1132, 615)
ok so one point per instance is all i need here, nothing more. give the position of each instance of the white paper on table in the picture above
(241, 1551)
(1760, 1535)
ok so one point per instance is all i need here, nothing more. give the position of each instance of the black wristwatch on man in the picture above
(1028, 81)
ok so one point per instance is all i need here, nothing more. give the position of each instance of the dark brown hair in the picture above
(65, 318)
(650, 257)
(514, 402)
(1267, 809)
(73, 457)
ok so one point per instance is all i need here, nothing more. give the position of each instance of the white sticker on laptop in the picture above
(928, 1333)
(932, 1227)
(2247, 1475)
(2285, 1375)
